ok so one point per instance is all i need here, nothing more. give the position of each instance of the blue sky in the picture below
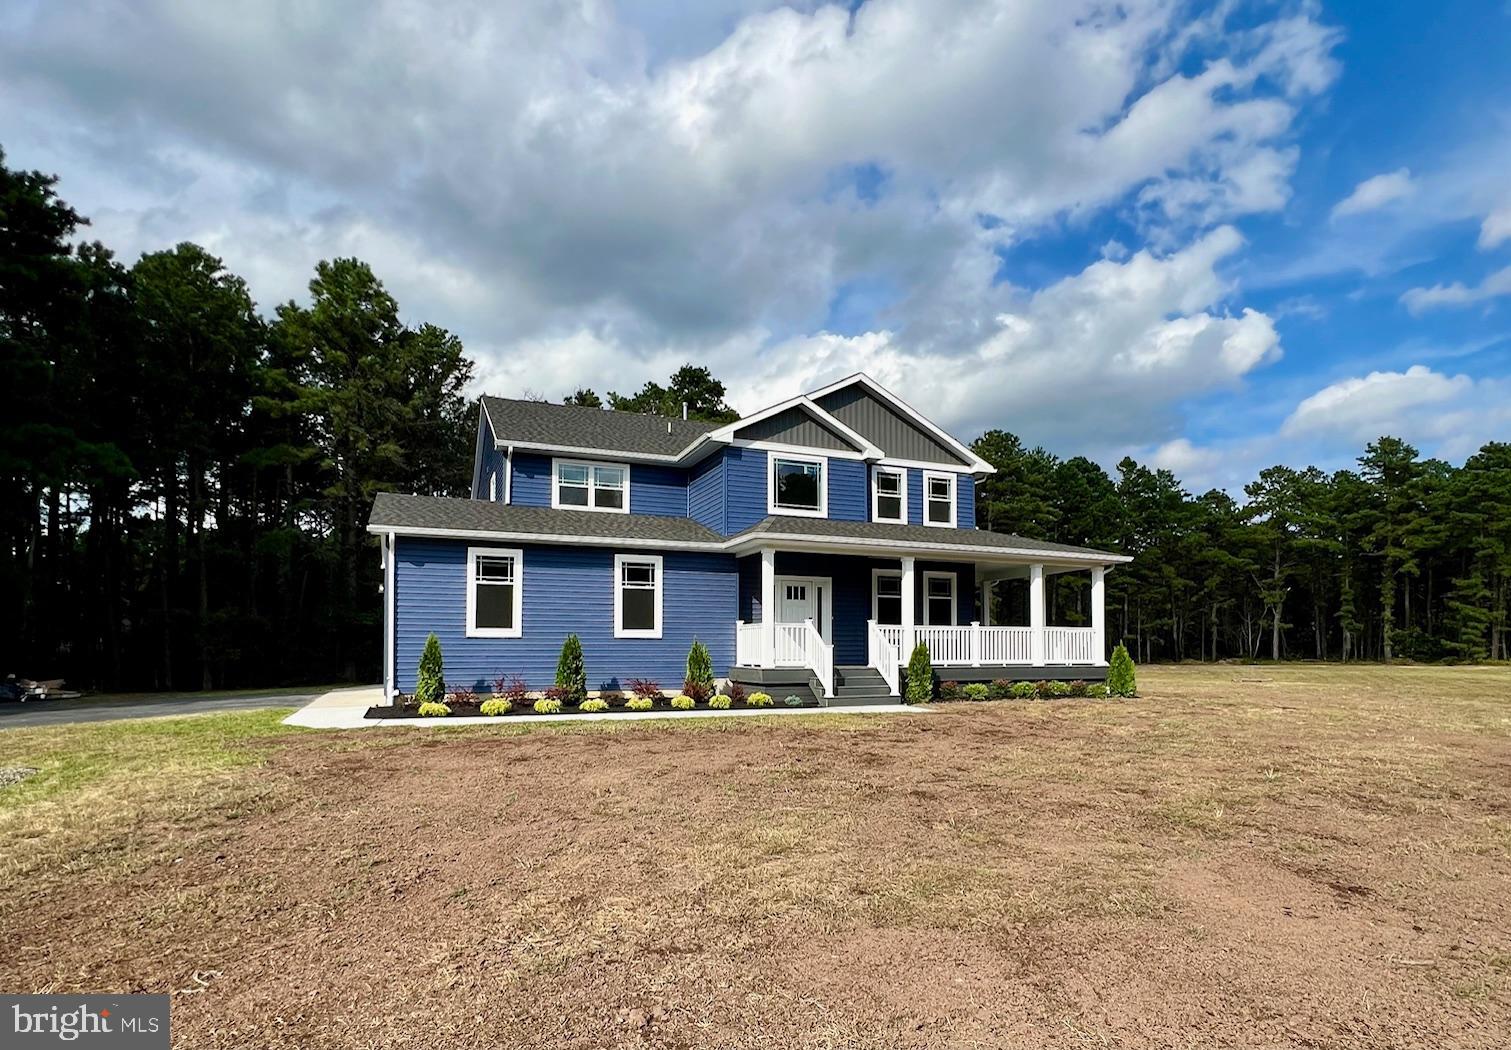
(1213, 237)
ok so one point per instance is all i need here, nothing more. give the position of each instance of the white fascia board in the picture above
(977, 465)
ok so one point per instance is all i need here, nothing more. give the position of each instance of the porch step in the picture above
(852, 684)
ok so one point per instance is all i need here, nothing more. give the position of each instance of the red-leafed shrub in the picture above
(699, 691)
(559, 693)
(646, 688)
(736, 692)
(512, 689)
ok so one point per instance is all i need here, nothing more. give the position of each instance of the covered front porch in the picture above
(827, 617)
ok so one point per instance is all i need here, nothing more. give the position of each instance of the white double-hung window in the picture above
(889, 495)
(582, 485)
(797, 486)
(939, 499)
(939, 599)
(495, 592)
(637, 596)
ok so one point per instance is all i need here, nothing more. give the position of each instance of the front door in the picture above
(799, 599)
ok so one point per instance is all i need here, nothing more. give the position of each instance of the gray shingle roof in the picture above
(778, 525)
(397, 510)
(571, 426)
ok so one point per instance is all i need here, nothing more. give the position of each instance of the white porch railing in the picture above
(820, 658)
(791, 645)
(1007, 645)
(747, 644)
(974, 645)
(882, 655)
(1070, 645)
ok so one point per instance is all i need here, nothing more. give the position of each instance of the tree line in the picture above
(188, 480)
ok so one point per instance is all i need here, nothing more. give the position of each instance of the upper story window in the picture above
(796, 486)
(495, 592)
(939, 499)
(637, 596)
(581, 485)
(889, 495)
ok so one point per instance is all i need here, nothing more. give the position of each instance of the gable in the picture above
(794, 426)
(882, 425)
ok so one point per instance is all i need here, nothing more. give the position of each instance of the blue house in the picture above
(810, 545)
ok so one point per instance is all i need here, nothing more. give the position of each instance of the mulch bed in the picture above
(474, 711)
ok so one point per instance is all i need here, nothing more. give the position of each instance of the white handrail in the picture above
(883, 654)
(747, 644)
(820, 656)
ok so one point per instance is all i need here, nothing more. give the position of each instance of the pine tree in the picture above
(571, 675)
(1120, 677)
(430, 684)
(920, 684)
(700, 666)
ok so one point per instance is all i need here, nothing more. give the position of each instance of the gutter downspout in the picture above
(389, 546)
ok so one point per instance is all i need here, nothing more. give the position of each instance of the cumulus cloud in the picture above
(586, 192)
(1420, 300)
(1365, 407)
(1375, 193)
(1496, 229)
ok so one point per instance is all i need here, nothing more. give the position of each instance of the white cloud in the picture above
(1496, 229)
(1419, 300)
(1375, 193)
(1365, 407)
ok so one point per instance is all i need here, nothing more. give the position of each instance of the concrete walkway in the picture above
(344, 709)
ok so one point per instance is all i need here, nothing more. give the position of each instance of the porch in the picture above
(834, 617)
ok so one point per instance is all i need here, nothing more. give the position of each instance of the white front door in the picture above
(799, 599)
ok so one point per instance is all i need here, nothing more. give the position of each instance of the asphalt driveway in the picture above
(61, 712)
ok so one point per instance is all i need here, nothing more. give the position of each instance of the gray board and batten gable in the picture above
(541, 424)
(887, 428)
(795, 426)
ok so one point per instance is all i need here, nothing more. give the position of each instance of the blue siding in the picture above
(490, 460)
(849, 490)
(744, 488)
(566, 590)
(705, 493)
(658, 490)
(531, 482)
(965, 501)
(915, 496)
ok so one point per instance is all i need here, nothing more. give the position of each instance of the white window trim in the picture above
(473, 554)
(954, 598)
(935, 475)
(556, 503)
(877, 574)
(901, 472)
(493, 486)
(619, 561)
(823, 484)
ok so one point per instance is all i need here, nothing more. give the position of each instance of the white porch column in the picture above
(1036, 612)
(986, 603)
(1099, 613)
(908, 614)
(768, 607)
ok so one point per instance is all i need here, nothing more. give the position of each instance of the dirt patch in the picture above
(1196, 868)
(14, 774)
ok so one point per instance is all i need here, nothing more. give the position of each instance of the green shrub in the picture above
(794, 701)
(432, 709)
(571, 675)
(684, 703)
(1098, 691)
(1078, 688)
(920, 687)
(758, 700)
(1000, 689)
(639, 703)
(1024, 690)
(1055, 690)
(1120, 677)
(719, 702)
(700, 668)
(949, 691)
(977, 691)
(497, 706)
(430, 686)
(547, 706)
(593, 706)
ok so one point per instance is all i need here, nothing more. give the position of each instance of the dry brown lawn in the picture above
(1245, 856)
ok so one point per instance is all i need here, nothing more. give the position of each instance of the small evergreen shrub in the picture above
(793, 701)
(736, 691)
(719, 702)
(1078, 688)
(683, 702)
(1056, 690)
(433, 709)
(700, 669)
(1000, 689)
(547, 706)
(758, 700)
(594, 706)
(496, 706)
(977, 691)
(1120, 677)
(1098, 691)
(571, 675)
(646, 688)
(698, 689)
(1023, 690)
(430, 685)
(920, 687)
(639, 703)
